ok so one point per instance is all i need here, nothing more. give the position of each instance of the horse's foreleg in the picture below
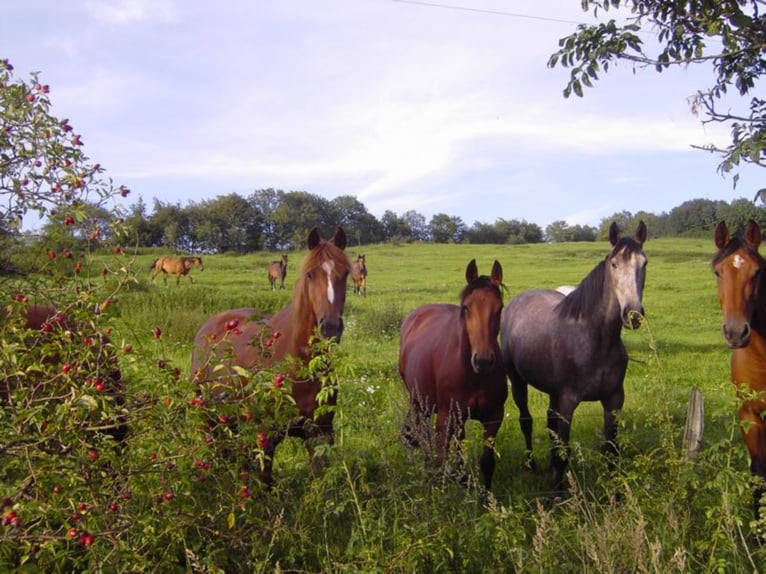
(487, 461)
(612, 406)
(520, 392)
(560, 424)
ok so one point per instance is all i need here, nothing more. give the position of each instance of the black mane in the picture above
(590, 291)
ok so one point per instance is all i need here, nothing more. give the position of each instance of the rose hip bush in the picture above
(110, 458)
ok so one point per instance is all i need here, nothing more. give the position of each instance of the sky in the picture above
(441, 107)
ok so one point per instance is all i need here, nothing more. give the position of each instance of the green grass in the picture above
(379, 507)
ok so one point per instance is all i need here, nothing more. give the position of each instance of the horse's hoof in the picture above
(531, 466)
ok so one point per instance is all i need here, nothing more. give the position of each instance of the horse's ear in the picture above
(721, 235)
(753, 234)
(641, 232)
(339, 239)
(313, 239)
(471, 272)
(614, 233)
(497, 273)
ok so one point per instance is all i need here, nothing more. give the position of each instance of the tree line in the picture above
(276, 220)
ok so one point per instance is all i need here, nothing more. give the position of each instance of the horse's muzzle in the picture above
(482, 365)
(736, 335)
(331, 330)
(631, 318)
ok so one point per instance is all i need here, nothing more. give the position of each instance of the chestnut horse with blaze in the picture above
(449, 360)
(739, 271)
(319, 296)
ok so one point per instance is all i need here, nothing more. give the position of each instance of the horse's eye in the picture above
(717, 273)
(613, 263)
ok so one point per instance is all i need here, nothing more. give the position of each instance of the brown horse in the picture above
(278, 272)
(359, 276)
(739, 271)
(449, 360)
(318, 300)
(44, 329)
(178, 266)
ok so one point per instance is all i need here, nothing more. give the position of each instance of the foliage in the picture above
(731, 35)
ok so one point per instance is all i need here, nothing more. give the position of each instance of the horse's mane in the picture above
(590, 291)
(482, 282)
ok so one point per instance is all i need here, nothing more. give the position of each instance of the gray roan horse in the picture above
(570, 347)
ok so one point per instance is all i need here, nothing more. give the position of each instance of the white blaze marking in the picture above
(328, 267)
(738, 261)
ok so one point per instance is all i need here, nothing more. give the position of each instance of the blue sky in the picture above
(402, 104)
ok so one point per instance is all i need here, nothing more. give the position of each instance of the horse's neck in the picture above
(294, 333)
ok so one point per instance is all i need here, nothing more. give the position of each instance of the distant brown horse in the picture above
(741, 276)
(96, 361)
(178, 266)
(319, 296)
(449, 360)
(278, 272)
(359, 276)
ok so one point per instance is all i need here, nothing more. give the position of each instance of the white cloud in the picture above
(129, 11)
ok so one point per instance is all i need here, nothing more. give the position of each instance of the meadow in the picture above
(379, 506)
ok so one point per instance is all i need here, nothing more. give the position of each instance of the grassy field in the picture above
(380, 508)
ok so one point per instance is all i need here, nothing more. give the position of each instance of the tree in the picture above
(360, 225)
(43, 169)
(730, 34)
(446, 229)
(394, 227)
(417, 224)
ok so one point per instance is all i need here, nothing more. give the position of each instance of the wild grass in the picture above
(380, 506)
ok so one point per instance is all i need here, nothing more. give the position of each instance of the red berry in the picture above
(232, 324)
(69, 220)
(86, 539)
(72, 533)
(168, 496)
(156, 332)
(51, 255)
(65, 368)
(93, 454)
(128, 348)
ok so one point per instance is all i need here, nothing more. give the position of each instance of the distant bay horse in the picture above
(359, 276)
(178, 266)
(278, 272)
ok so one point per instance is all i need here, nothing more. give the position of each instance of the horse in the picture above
(359, 276)
(178, 266)
(47, 329)
(449, 361)
(570, 346)
(318, 299)
(739, 272)
(278, 272)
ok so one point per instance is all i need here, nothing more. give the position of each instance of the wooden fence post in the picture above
(695, 424)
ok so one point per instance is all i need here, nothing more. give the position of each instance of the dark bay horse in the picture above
(569, 346)
(319, 296)
(449, 360)
(178, 266)
(739, 271)
(278, 272)
(359, 276)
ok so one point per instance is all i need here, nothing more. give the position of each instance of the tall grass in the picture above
(381, 506)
